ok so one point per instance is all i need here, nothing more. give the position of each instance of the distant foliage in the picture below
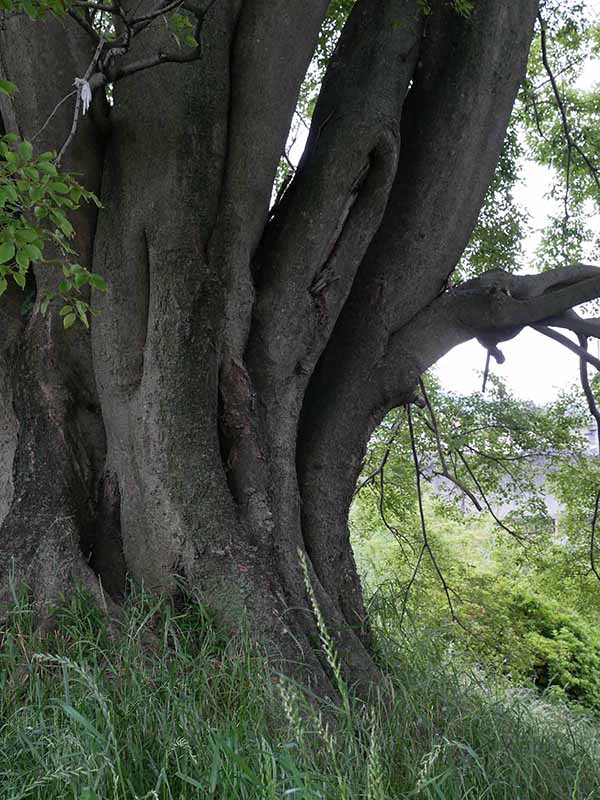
(534, 638)
(519, 597)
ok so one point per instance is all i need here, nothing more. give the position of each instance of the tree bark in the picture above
(464, 88)
(54, 445)
(210, 430)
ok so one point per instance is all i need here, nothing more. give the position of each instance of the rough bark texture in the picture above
(53, 436)
(212, 426)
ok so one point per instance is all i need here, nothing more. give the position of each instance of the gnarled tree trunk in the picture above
(212, 426)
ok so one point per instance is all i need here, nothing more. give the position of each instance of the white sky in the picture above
(536, 368)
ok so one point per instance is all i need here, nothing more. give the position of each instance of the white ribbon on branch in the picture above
(85, 92)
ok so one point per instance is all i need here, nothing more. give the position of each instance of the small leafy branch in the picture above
(35, 198)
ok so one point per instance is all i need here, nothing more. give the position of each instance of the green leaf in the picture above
(7, 251)
(82, 312)
(60, 187)
(28, 235)
(36, 193)
(98, 282)
(34, 252)
(69, 320)
(26, 150)
(19, 278)
(47, 167)
(7, 87)
(3, 285)
(22, 259)
(44, 306)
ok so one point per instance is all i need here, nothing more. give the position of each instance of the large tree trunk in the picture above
(212, 427)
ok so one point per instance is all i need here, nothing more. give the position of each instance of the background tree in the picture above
(213, 425)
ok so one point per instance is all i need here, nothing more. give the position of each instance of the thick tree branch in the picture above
(258, 123)
(453, 126)
(492, 308)
(316, 240)
(573, 322)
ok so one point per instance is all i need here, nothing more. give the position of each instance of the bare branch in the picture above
(445, 472)
(386, 454)
(86, 78)
(587, 389)
(593, 537)
(410, 583)
(85, 24)
(571, 143)
(163, 8)
(426, 544)
(154, 61)
(566, 342)
(56, 107)
(400, 537)
(515, 534)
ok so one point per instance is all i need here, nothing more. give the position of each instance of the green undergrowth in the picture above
(170, 707)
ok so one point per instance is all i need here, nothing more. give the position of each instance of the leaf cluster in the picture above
(36, 199)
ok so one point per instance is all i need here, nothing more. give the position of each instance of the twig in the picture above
(515, 534)
(571, 143)
(410, 583)
(386, 454)
(445, 473)
(566, 342)
(56, 107)
(426, 544)
(593, 537)
(587, 389)
(399, 537)
(86, 78)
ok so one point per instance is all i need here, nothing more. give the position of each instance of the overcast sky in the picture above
(536, 368)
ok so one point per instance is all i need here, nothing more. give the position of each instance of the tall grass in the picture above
(173, 708)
